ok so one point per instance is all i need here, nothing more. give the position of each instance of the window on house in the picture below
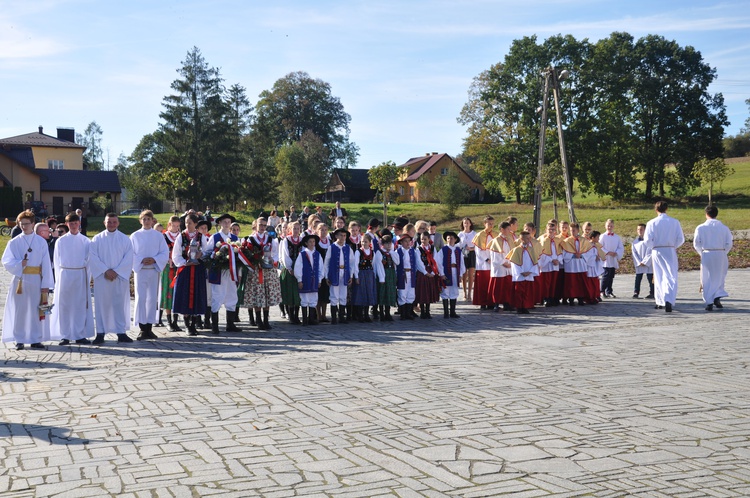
(411, 191)
(443, 171)
(55, 164)
(401, 190)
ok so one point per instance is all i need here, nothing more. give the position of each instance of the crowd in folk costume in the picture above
(188, 271)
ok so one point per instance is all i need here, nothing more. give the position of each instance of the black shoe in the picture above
(658, 307)
(37, 345)
(146, 335)
(709, 307)
(717, 303)
(611, 295)
(215, 322)
(124, 338)
(635, 296)
(64, 342)
(668, 307)
(191, 330)
(650, 296)
(99, 339)
(231, 327)
(522, 311)
(19, 346)
(83, 341)
(581, 302)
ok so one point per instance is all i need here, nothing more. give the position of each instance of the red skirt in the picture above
(575, 285)
(548, 284)
(592, 289)
(523, 294)
(427, 289)
(501, 289)
(482, 296)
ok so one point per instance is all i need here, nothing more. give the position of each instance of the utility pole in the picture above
(551, 73)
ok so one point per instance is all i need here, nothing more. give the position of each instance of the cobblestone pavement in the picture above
(609, 400)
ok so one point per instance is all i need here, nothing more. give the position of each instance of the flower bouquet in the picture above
(220, 258)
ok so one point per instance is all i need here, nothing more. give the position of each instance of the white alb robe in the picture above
(111, 251)
(641, 257)
(72, 317)
(663, 236)
(148, 244)
(612, 243)
(713, 240)
(21, 322)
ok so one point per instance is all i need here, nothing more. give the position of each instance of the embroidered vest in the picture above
(365, 261)
(310, 271)
(447, 268)
(401, 268)
(334, 263)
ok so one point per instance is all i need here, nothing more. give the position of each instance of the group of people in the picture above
(361, 272)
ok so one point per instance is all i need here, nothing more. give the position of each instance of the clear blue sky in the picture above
(401, 68)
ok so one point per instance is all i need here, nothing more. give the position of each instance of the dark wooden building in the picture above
(349, 185)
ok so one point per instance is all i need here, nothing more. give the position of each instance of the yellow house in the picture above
(429, 167)
(50, 169)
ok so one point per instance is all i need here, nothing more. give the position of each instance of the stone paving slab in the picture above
(609, 400)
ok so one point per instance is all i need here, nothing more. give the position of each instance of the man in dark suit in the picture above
(339, 211)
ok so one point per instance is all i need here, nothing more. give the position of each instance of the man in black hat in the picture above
(339, 264)
(224, 280)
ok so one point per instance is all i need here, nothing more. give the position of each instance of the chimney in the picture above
(434, 153)
(41, 129)
(67, 134)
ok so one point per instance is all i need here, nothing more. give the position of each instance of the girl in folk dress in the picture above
(289, 249)
(264, 289)
(385, 262)
(428, 285)
(324, 243)
(189, 295)
(168, 275)
(466, 242)
(364, 288)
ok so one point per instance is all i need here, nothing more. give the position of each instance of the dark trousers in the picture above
(607, 278)
(639, 278)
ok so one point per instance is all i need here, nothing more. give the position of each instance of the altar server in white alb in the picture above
(663, 236)
(26, 257)
(614, 249)
(72, 318)
(713, 240)
(150, 255)
(111, 262)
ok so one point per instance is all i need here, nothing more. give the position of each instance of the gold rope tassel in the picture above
(19, 287)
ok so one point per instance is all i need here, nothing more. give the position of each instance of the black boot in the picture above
(259, 320)
(421, 311)
(334, 315)
(402, 311)
(366, 315)
(362, 314)
(387, 314)
(295, 315)
(215, 322)
(172, 324)
(375, 313)
(343, 317)
(266, 325)
(446, 313)
(427, 311)
(160, 323)
(349, 309)
(409, 311)
(283, 310)
(231, 327)
(313, 316)
(187, 320)
(453, 309)
(191, 327)
(251, 312)
(305, 320)
(207, 320)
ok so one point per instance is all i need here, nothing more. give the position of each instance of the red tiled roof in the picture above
(425, 167)
(39, 140)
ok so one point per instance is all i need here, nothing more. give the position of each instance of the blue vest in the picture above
(333, 264)
(214, 275)
(400, 269)
(447, 270)
(310, 282)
